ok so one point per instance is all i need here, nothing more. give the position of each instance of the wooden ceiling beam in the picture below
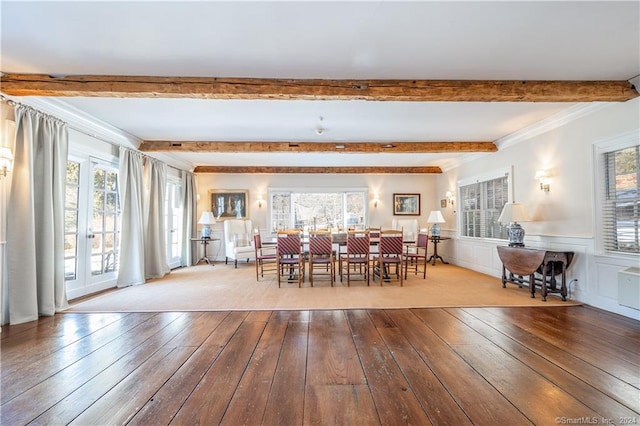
(307, 147)
(330, 170)
(112, 86)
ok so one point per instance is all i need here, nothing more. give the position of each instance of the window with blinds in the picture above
(621, 204)
(481, 204)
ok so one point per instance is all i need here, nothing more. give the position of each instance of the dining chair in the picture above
(389, 259)
(356, 260)
(416, 255)
(321, 255)
(265, 256)
(290, 256)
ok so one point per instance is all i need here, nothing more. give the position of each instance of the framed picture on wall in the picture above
(229, 203)
(406, 204)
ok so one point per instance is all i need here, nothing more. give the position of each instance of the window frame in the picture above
(344, 191)
(600, 175)
(479, 179)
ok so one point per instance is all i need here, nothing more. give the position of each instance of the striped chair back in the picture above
(358, 242)
(288, 243)
(320, 244)
(391, 243)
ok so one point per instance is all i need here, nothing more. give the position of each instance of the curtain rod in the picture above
(14, 103)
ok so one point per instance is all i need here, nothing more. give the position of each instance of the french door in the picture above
(173, 222)
(91, 226)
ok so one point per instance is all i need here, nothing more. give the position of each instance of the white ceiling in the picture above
(514, 40)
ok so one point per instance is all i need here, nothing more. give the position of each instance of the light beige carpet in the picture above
(221, 287)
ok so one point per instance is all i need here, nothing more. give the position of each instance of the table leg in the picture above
(435, 255)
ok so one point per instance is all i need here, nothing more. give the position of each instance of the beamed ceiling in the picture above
(320, 87)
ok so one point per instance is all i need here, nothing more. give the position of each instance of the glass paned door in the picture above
(173, 223)
(91, 226)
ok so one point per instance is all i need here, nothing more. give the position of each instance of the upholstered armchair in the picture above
(238, 240)
(409, 228)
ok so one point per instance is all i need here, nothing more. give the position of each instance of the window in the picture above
(314, 210)
(481, 203)
(621, 206)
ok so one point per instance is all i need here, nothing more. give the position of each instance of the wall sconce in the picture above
(543, 177)
(450, 198)
(375, 201)
(6, 161)
(260, 200)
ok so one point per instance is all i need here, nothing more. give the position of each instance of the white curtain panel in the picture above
(35, 217)
(155, 253)
(189, 200)
(131, 187)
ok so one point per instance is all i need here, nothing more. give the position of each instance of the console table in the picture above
(523, 264)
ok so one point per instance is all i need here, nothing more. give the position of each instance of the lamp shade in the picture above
(435, 217)
(513, 212)
(207, 218)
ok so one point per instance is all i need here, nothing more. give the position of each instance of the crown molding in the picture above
(96, 128)
(552, 122)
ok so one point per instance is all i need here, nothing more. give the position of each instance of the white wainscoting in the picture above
(591, 279)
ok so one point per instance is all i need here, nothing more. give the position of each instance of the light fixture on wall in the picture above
(375, 201)
(436, 218)
(450, 198)
(206, 220)
(543, 177)
(512, 213)
(260, 200)
(6, 161)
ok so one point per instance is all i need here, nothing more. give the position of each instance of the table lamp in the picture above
(512, 213)
(436, 218)
(206, 220)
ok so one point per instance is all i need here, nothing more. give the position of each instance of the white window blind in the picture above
(621, 200)
(481, 203)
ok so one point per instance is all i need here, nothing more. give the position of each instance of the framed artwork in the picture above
(229, 203)
(443, 203)
(406, 204)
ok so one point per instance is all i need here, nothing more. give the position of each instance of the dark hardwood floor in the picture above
(484, 366)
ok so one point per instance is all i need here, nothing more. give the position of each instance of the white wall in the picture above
(563, 218)
(385, 185)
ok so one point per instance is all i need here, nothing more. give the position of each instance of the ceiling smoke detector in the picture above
(319, 131)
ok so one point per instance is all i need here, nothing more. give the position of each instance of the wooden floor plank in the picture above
(26, 347)
(339, 405)
(332, 359)
(482, 403)
(139, 386)
(605, 406)
(392, 395)
(444, 366)
(82, 399)
(165, 403)
(209, 400)
(537, 398)
(611, 360)
(433, 396)
(285, 404)
(625, 348)
(250, 398)
(589, 373)
(31, 403)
